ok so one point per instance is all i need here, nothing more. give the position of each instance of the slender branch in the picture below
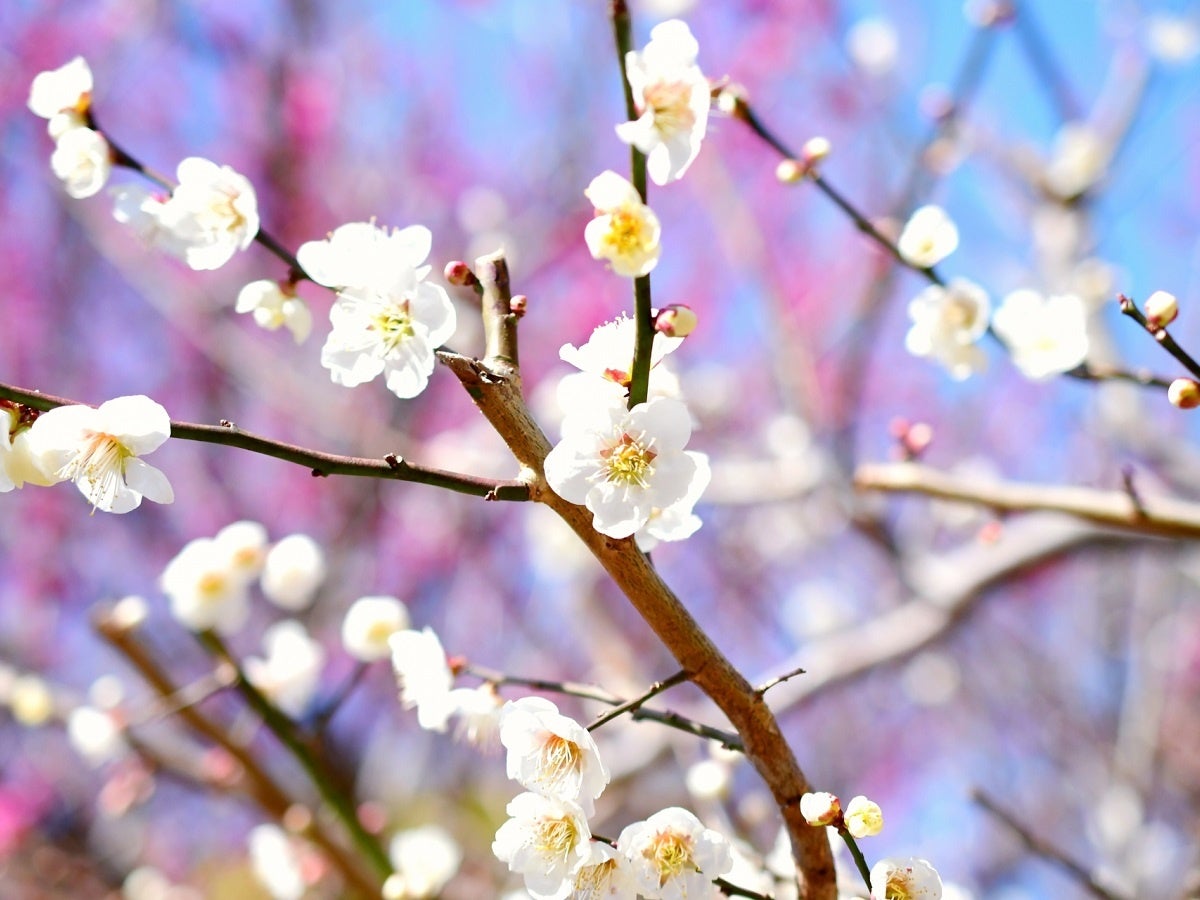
(1129, 308)
(322, 464)
(780, 679)
(1045, 849)
(860, 861)
(637, 702)
(1156, 516)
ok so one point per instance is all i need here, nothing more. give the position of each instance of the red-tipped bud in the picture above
(676, 320)
(459, 274)
(518, 305)
(1184, 393)
(820, 808)
(1161, 309)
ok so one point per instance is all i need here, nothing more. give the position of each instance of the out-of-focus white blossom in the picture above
(276, 862)
(141, 209)
(293, 571)
(424, 676)
(708, 779)
(369, 623)
(67, 89)
(820, 808)
(674, 857)
(98, 449)
(550, 753)
(672, 97)
(912, 879)
(82, 160)
(275, 307)
(1045, 335)
(546, 840)
(425, 859)
(1172, 39)
(30, 701)
(625, 231)
(863, 817)
(1078, 160)
(873, 45)
(291, 671)
(205, 588)
(947, 322)
(246, 545)
(213, 213)
(95, 735)
(386, 318)
(478, 713)
(677, 522)
(928, 237)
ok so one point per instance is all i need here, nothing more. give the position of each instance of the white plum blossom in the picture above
(17, 463)
(947, 323)
(604, 875)
(873, 45)
(608, 353)
(1078, 161)
(98, 449)
(677, 522)
(246, 545)
(95, 735)
(625, 230)
(62, 92)
(928, 237)
(820, 808)
(368, 624)
(141, 209)
(276, 862)
(291, 671)
(212, 213)
(205, 588)
(1045, 335)
(425, 859)
(478, 713)
(30, 701)
(1172, 39)
(387, 318)
(674, 857)
(550, 753)
(547, 840)
(293, 571)
(863, 817)
(672, 97)
(275, 306)
(82, 160)
(623, 464)
(424, 676)
(912, 879)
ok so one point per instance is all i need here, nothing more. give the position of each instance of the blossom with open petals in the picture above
(369, 623)
(293, 571)
(547, 840)
(946, 324)
(910, 879)
(17, 463)
(677, 522)
(424, 859)
(550, 753)
(205, 587)
(674, 857)
(98, 449)
(605, 875)
(623, 464)
(290, 672)
(275, 306)
(424, 676)
(213, 212)
(625, 230)
(65, 91)
(246, 545)
(387, 318)
(928, 237)
(82, 160)
(672, 97)
(1045, 335)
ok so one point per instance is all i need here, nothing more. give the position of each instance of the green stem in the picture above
(859, 860)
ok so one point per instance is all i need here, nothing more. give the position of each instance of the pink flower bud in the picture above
(1161, 309)
(676, 320)
(518, 305)
(820, 808)
(1184, 393)
(459, 274)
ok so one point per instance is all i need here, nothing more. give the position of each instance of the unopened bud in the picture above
(459, 274)
(815, 149)
(1184, 393)
(1161, 309)
(729, 98)
(790, 171)
(820, 808)
(676, 320)
(518, 305)
(863, 817)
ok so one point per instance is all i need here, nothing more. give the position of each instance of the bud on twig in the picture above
(676, 320)
(518, 305)
(1161, 309)
(458, 273)
(1184, 393)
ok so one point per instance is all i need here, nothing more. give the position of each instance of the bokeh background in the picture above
(1052, 666)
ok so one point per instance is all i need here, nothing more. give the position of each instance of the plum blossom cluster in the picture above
(548, 840)
(82, 158)
(97, 449)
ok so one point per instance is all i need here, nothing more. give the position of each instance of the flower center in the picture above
(626, 232)
(393, 324)
(960, 312)
(559, 759)
(669, 100)
(211, 586)
(557, 837)
(628, 462)
(100, 462)
(671, 853)
(594, 880)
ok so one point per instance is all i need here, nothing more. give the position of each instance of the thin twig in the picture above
(1129, 308)
(637, 702)
(786, 676)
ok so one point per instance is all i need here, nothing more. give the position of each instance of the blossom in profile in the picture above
(386, 319)
(911, 879)
(928, 237)
(863, 817)
(213, 213)
(424, 676)
(276, 306)
(369, 623)
(17, 462)
(82, 160)
(547, 840)
(625, 231)
(477, 711)
(293, 571)
(623, 464)
(424, 859)
(672, 97)
(1045, 335)
(608, 353)
(290, 672)
(946, 324)
(674, 857)
(205, 588)
(141, 209)
(62, 95)
(99, 450)
(550, 753)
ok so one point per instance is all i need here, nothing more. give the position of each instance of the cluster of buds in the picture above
(861, 817)
(814, 150)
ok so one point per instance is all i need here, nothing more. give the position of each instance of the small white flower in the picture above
(1078, 161)
(947, 321)
(141, 209)
(276, 863)
(709, 779)
(912, 879)
(677, 522)
(623, 464)
(605, 875)
(547, 841)
(674, 856)
(275, 307)
(424, 675)
(82, 161)
(18, 465)
(550, 753)
(928, 237)
(1172, 39)
(820, 808)
(213, 213)
(31, 701)
(205, 589)
(386, 317)
(293, 571)
(98, 449)
(478, 713)
(65, 89)
(245, 543)
(608, 353)
(873, 45)
(291, 671)
(672, 98)
(625, 231)
(368, 624)
(95, 735)
(863, 817)
(1045, 335)
(425, 859)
